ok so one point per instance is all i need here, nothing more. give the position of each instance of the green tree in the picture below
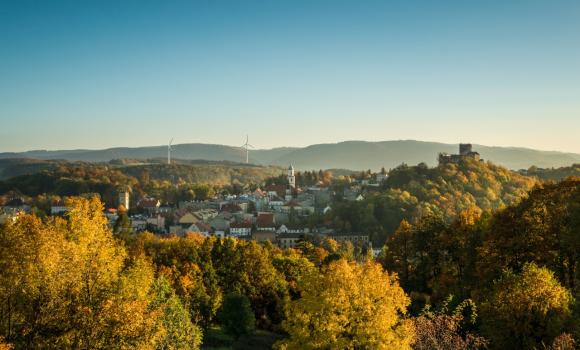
(237, 316)
(122, 225)
(176, 329)
(397, 256)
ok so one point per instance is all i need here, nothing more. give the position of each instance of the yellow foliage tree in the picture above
(526, 310)
(67, 283)
(5, 346)
(349, 306)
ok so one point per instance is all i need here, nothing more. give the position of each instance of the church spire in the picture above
(291, 177)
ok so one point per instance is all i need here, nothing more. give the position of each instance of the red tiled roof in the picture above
(259, 192)
(148, 203)
(265, 220)
(279, 189)
(241, 225)
(232, 208)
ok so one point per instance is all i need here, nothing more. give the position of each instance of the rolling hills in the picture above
(354, 155)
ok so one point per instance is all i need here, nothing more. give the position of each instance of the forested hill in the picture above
(355, 155)
(168, 182)
(553, 174)
(11, 167)
(412, 192)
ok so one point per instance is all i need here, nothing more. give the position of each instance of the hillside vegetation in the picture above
(11, 167)
(553, 174)
(411, 192)
(168, 182)
(503, 280)
(520, 265)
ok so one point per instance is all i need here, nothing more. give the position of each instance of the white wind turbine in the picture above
(246, 146)
(169, 151)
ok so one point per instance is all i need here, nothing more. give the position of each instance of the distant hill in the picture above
(11, 167)
(183, 151)
(354, 155)
(372, 155)
(182, 180)
(553, 174)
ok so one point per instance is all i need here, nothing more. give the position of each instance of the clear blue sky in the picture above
(93, 74)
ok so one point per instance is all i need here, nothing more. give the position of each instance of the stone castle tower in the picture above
(465, 149)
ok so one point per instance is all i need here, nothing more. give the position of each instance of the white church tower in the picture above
(291, 177)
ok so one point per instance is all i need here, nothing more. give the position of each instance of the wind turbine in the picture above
(169, 151)
(245, 146)
(115, 153)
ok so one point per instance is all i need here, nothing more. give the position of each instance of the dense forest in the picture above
(508, 279)
(12, 167)
(170, 183)
(412, 192)
(553, 174)
(474, 256)
(520, 265)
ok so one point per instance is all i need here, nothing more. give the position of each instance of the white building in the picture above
(58, 208)
(124, 199)
(381, 177)
(241, 229)
(291, 177)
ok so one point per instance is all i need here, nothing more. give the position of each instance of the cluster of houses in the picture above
(13, 208)
(271, 213)
(268, 214)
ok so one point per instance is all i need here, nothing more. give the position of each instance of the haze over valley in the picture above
(352, 155)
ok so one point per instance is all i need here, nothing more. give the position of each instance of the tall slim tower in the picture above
(124, 199)
(291, 177)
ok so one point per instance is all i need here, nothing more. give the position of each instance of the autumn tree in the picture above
(448, 328)
(5, 346)
(295, 268)
(67, 283)
(246, 268)
(543, 228)
(398, 252)
(526, 310)
(348, 306)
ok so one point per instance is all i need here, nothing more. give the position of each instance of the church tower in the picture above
(291, 177)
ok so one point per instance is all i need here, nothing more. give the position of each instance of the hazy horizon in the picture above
(177, 143)
(94, 75)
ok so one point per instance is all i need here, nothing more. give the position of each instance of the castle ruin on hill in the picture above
(465, 152)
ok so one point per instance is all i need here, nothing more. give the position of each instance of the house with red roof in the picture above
(240, 229)
(265, 222)
(150, 205)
